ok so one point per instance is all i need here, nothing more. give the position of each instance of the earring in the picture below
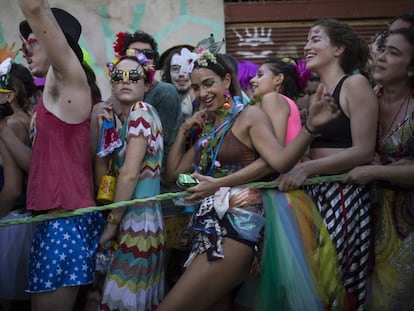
(227, 96)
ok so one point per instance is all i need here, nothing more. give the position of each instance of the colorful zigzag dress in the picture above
(135, 278)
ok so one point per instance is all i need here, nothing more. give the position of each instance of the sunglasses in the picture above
(4, 84)
(117, 76)
(147, 52)
(27, 46)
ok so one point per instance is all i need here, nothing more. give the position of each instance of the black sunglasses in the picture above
(134, 75)
(147, 52)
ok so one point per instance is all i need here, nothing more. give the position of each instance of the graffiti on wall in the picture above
(178, 27)
(262, 42)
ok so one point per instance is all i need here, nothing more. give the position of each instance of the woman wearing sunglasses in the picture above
(135, 278)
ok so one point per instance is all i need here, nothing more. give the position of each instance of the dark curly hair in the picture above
(356, 54)
(141, 36)
(21, 81)
(221, 68)
(408, 35)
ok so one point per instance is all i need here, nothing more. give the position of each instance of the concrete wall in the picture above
(169, 21)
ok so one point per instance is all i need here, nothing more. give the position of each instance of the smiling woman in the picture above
(227, 227)
(336, 53)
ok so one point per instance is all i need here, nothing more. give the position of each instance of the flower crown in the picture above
(300, 67)
(204, 52)
(6, 57)
(141, 59)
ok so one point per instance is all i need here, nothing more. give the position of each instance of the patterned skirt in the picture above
(236, 213)
(392, 282)
(135, 278)
(345, 210)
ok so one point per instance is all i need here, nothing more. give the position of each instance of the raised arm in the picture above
(179, 160)
(321, 111)
(66, 82)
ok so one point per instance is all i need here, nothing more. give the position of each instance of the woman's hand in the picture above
(361, 175)
(108, 234)
(206, 186)
(322, 109)
(105, 113)
(294, 178)
(197, 120)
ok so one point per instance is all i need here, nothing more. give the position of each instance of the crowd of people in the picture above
(212, 125)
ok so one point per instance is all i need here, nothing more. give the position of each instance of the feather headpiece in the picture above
(6, 57)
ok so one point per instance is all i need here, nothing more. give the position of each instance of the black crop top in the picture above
(337, 133)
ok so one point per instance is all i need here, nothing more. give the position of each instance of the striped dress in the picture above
(135, 278)
(345, 210)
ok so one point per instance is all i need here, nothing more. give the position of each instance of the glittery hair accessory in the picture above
(204, 52)
(141, 59)
(6, 58)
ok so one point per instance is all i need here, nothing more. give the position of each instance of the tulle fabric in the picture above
(300, 269)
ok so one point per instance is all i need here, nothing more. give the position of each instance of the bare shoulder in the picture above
(358, 93)
(19, 128)
(357, 82)
(274, 102)
(251, 113)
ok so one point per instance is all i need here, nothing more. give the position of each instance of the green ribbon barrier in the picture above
(159, 197)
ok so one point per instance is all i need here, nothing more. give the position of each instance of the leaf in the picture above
(6, 52)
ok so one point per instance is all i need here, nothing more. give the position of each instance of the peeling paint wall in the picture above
(169, 21)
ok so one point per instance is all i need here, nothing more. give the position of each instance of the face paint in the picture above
(179, 78)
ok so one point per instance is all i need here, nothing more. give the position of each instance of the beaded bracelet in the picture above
(311, 133)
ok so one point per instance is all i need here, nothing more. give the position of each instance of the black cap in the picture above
(69, 25)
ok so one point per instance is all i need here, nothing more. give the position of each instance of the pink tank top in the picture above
(294, 124)
(60, 174)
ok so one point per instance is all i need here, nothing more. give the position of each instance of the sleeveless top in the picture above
(337, 133)
(233, 154)
(60, 174)
(294, 124)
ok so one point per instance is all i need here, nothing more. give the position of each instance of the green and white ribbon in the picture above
(159, 197)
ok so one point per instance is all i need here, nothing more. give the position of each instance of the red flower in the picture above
(119, 42)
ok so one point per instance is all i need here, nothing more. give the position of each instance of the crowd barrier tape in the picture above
(159, 197)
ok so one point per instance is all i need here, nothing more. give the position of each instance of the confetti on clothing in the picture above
(63, 252)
